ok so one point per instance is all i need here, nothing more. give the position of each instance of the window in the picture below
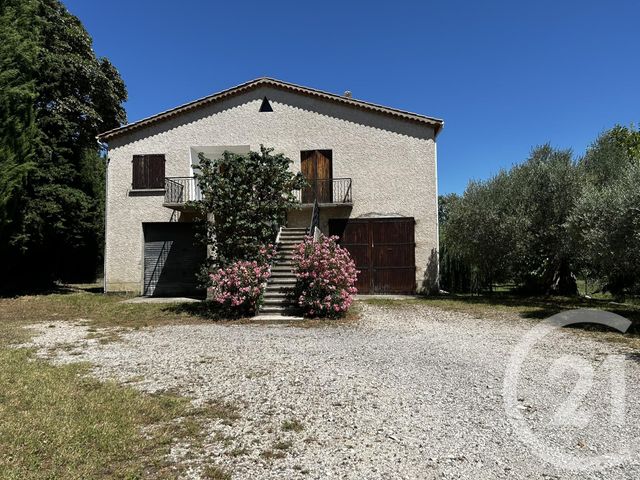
(148, 172)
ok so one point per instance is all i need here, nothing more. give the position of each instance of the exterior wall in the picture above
(392, 163)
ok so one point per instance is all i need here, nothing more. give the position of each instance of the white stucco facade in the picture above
(392, 163)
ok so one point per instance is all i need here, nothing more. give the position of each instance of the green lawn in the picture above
(58, 422)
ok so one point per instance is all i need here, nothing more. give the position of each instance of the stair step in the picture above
(280, 310)
(282, 281)
(282, 271)
(279, 282)
(279, 288)
(275, 302)
(275, 295)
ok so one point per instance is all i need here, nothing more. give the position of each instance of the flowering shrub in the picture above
(238, 287)
(326, 277)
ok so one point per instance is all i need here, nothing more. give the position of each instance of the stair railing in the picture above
(314, 227)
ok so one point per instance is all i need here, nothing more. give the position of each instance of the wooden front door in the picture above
(317, 168)
(383, 249)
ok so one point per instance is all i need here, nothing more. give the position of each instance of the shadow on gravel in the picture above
(212, 311)
(205, 310)
(634, 357)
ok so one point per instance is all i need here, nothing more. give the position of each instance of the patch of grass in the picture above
(293, 425)
(272, 454)
(238, 452)
(501, 304)
(351, 317)
(105, 315)
(278, 450)
(301, 469)
(104, 336)
(55, 422)
(212, 472)
(283, 445)
(97, 310)
(222, 438)
(217, 410)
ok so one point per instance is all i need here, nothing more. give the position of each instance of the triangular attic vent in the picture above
(266, 106)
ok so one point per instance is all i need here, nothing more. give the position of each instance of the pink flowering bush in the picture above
(238, 287)
(326, 277)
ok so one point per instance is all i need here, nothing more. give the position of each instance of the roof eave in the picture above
(435, 123)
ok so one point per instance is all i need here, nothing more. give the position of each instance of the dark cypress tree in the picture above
(55, 97)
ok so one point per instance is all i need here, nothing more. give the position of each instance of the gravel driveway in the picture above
(408, 392)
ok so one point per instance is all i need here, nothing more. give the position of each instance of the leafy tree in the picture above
(606, 220)
(513, 227)
(544, 190)
(610, 155)
(455, 272)
(245, 200)
(55, 97)
(19, 136)
(480, 230)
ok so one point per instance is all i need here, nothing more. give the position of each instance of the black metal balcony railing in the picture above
(180, 190)
(329, 190)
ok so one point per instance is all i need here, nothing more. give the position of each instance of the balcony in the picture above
(331, 191)
(179, 191)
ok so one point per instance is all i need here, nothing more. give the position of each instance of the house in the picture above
(372, 170)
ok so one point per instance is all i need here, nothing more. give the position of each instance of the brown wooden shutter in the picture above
(156, 171)
(138, 172)
(148, 171)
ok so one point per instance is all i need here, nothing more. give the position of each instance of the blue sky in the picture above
(504, 75)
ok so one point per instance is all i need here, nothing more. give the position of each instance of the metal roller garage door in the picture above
(383, 250)
(172, 259)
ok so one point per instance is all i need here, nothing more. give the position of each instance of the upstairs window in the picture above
(148, 172)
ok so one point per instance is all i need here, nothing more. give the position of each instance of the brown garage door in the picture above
(383, 250)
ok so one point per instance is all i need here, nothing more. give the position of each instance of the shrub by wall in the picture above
(326, 277)
(238, 287)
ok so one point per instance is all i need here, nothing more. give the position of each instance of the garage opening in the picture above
(383, 250)
(172, 259)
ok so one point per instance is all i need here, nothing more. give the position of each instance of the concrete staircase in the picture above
(282, 279)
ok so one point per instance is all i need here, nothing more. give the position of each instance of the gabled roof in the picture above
(436, 123)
